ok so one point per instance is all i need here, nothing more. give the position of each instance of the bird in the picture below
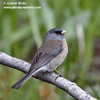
(49, 56)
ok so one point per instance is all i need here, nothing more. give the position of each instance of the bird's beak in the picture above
(63, 32)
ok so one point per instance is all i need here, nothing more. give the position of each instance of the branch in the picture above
(61, 82)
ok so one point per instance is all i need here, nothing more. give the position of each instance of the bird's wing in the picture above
(48, 50)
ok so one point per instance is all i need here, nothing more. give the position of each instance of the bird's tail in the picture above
(21, 81)
(26, 77)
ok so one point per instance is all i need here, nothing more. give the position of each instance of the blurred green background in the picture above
(22, 32)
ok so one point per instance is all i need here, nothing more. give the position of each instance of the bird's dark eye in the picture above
(58, 32)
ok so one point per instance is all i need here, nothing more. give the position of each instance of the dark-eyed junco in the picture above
(49, 56)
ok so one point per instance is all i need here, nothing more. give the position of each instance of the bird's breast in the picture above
(56, 61)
